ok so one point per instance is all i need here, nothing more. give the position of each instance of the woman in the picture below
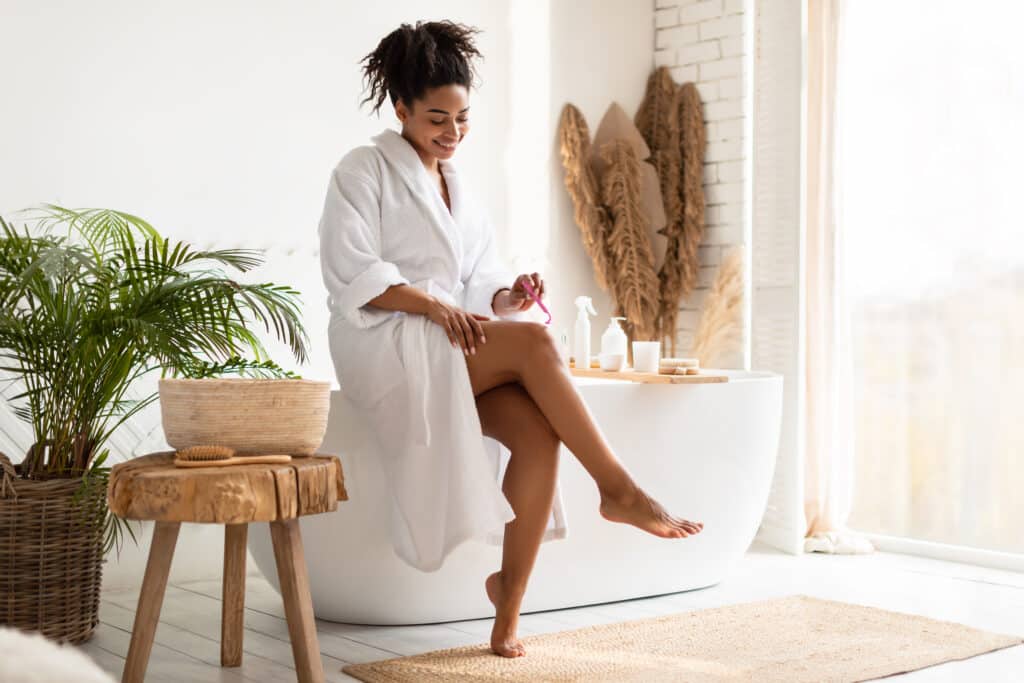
(414, 286)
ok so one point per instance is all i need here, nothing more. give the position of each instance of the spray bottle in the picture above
(581, 341)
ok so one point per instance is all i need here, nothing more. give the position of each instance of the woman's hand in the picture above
(517, 298)
(462, 327)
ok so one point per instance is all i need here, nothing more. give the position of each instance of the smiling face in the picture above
(436, 123)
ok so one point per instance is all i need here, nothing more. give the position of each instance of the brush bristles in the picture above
(205, 453)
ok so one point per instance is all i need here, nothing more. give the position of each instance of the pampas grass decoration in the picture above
(721, 321)
(591, 217)
(633, 280)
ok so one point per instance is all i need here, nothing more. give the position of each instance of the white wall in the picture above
(220, 123)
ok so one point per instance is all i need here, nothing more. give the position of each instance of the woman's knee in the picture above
(539, 344)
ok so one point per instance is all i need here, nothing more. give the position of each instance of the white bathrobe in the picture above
(385, 223)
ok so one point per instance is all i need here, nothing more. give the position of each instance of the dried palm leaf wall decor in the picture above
(692, 141)
(613, 193)
(591, 216)
(658, 121)
(617, 125)
(671, 120)
(634, 283)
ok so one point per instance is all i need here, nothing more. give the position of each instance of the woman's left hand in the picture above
(514, 299)
(518, 298)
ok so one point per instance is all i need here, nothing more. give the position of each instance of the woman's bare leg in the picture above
(508, 414)
(524, 352)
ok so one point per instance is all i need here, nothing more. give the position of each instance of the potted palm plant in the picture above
(91, 301)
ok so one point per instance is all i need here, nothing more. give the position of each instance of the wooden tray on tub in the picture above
(649, 377)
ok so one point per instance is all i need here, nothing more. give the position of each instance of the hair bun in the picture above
(412, 59)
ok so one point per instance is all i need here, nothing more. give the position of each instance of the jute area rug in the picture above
(797, 638)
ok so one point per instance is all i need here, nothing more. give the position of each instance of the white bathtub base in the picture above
(705, 451)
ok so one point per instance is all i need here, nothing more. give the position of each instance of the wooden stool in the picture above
(151, 487)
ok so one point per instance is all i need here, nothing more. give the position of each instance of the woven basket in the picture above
(253, 416)
(51, 554)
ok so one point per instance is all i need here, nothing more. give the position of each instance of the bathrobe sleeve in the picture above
(350, 250)
(488, 275)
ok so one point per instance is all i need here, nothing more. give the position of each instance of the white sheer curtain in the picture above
(829, 475)
(930, 143)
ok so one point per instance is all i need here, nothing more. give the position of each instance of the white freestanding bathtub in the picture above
(705, 451)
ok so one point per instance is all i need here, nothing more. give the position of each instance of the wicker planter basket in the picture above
(255, 416)
(51, 555)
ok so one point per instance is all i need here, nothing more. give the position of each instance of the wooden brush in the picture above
(221, 456)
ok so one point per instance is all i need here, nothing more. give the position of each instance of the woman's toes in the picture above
(646, 513)
(685, 528)
(692, 527)
(508, 649)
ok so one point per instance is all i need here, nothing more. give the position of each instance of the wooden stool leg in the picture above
(151, 598)
(232, 616)
(298, 604)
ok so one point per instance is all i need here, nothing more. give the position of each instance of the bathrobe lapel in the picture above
(406, 162)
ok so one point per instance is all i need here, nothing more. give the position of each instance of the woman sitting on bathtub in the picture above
(414, 284)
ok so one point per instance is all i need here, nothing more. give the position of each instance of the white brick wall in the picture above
(703, 41)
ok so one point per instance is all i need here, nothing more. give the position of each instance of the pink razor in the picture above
(533, 295)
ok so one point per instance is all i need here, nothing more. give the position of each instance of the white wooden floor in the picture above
(187, 640)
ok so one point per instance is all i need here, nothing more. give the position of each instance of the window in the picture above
(930, 146)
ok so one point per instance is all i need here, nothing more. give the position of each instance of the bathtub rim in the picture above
(735, 375)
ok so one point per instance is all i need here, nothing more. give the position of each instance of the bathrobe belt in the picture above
(416, 360)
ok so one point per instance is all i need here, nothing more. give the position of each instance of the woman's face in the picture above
(436, 123)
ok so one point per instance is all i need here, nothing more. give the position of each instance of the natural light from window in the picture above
(931, 144)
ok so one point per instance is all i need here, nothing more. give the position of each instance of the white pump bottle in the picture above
(614, 340)
(581, 340)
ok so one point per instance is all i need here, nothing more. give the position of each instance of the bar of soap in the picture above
(679, 363)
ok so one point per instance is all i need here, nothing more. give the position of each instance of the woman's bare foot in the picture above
(503, 635)
(642, 511)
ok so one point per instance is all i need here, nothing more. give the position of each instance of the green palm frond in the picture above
(100, 228)
(93, 299)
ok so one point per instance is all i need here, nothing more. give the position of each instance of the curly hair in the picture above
(411, 59)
